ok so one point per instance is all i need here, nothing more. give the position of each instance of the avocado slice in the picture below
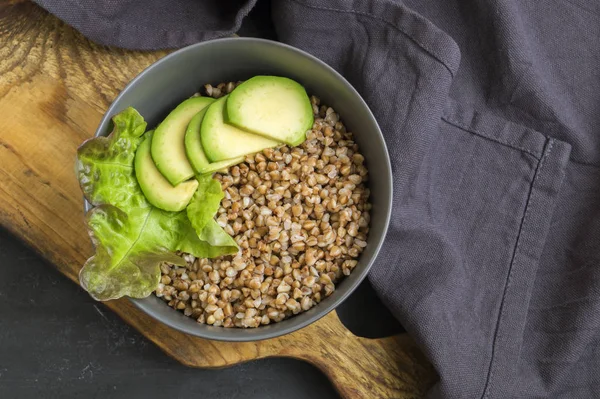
(195, 152)
(272, 106)
(222, 141)
(168, 149)
(158, 191)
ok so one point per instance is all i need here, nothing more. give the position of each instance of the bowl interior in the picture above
(162, 86)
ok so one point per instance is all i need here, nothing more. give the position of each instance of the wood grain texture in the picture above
(54, 87)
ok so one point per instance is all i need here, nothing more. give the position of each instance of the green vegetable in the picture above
(132, 238)
(219, 241)
(129, 250)
(157, 189)
(168, 149)
(195, 151)
(200, 211)
(222, 141)
(274, 107)
(105, 164)
(205, 202)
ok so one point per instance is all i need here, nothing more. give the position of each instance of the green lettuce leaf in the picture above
(205, 202)
(219, 242)
(129, 250)
(131, 246)
(132, 238)
(105, 164)
(201, 211)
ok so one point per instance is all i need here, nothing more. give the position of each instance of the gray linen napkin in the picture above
(491, 112)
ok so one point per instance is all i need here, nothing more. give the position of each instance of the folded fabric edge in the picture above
(137, 37)
(535, 225)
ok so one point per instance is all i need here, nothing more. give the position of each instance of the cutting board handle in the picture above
(392, 367)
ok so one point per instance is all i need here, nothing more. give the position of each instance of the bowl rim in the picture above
(258, 334)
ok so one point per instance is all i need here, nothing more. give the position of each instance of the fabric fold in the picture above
(154, 24)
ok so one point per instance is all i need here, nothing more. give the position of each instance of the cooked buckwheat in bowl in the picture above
(252, 193)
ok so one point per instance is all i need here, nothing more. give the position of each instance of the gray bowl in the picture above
(166, 83)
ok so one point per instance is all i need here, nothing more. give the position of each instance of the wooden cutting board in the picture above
(54, 87)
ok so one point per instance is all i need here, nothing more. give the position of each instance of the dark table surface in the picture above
(56, 342)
